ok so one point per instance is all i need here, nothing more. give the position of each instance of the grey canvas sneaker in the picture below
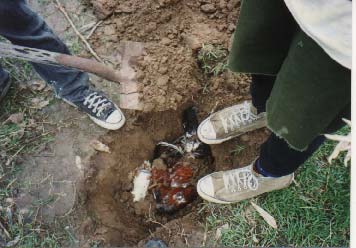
(239, 184)
(230, 122)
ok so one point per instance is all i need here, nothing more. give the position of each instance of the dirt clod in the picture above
(208, 8)
(103, 8)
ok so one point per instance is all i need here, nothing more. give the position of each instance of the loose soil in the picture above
(109, 182)
(173, 31)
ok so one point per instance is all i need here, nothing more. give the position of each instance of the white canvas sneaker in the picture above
(239, 184)
(230, 122)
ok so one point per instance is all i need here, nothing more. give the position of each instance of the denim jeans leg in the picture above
(20, 25)
(3, 77)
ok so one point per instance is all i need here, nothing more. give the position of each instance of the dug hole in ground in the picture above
(174, 74)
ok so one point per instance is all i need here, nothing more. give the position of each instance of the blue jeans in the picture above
(20, 25)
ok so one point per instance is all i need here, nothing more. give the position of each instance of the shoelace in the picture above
(240, 179)
(240, 117)
(97, 102)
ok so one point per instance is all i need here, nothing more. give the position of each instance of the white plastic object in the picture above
(141, 183)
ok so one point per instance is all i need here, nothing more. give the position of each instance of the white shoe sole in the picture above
(109, 126)
(209, 198)
(103, 124)
(208, 141)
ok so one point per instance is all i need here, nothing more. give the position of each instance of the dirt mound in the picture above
(173, 31)
(169, 76)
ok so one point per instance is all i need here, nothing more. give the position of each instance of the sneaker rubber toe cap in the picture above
(207, 131)
(206, 187)
(115, 117)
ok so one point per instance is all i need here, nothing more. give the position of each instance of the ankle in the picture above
(259, 108)
(257, 167)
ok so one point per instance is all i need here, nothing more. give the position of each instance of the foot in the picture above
(4, 88)
(236, 185)
(230, 122)
(101, 110)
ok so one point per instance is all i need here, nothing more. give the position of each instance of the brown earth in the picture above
(172, 31)
(108, 183)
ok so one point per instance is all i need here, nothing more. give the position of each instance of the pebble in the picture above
(120, 26)
(164, 59)
(109, 30)
(163, 70)
(161, 100)
(221, 27)
(231, 27)
(163, 80)
(152, 26)
(208, 8)
(192, 41)
(166, 41)
(222, 4)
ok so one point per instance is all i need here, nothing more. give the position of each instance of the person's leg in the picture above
(4, 75)
(5, 83)
(240, 118)
(261, 42)
(278, 159)
(310, 91)
(20, 25)
(262, 38)
(273, 170)
(260, 89)
(309, 97)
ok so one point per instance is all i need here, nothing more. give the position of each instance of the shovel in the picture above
(128, 53)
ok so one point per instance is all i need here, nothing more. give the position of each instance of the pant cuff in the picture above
(262, 171)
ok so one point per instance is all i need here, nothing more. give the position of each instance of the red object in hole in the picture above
(172, 199)
(181, 176)
(160, 176)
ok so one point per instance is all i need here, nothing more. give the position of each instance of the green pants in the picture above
(312, 92)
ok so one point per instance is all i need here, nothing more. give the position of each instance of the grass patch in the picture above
(237, 150)
(313, 212)
(212, 59)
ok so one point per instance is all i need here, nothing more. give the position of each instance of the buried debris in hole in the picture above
(171, 173)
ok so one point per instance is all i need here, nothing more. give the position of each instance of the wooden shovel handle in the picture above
(88, 65)
(51, 58)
